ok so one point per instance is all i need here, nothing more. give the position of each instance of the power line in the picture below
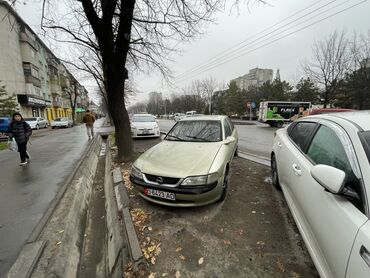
(266, 44)
(250, 37)
(256, 42)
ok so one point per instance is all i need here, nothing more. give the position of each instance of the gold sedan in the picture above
(190, 167)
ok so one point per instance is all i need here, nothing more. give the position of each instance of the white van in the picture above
(190, 113)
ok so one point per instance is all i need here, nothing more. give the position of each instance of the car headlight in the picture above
(156, 126)
(136, 172)
(133, 127)
(200, 180)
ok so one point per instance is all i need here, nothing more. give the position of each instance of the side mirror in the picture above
(229, 139)
(329, 177)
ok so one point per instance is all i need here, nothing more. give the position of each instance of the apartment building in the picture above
(255, 77)
(30, 70)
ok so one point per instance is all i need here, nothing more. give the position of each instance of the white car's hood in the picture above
(178, 159)
(147, 125)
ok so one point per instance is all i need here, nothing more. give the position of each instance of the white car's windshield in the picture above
(30, 119)
(143, 119)
(196, 131)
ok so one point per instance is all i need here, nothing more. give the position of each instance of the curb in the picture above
(255, 158)
(123, 202)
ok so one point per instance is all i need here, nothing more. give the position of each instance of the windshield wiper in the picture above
(197, 138)
(176, 137)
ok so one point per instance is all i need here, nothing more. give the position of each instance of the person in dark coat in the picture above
(21, 131)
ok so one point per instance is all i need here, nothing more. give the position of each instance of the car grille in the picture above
(166, 180)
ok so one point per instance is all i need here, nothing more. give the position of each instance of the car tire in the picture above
(224, 186)
(53, 127)
(37, 126)
(279, 124)
(274, 173)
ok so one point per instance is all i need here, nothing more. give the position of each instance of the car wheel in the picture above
(37, 127)
(225, 186)
(274, 173)
(53, 127)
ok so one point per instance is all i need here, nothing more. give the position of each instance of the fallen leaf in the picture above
(201, 260)
(253, 211)
(61, 231)
(153, 260)
(182, 257)
(152, 275)
(150, 228)
(178, 249)
(178, 274)
(59, 242)
(227, 242)
(164, 274)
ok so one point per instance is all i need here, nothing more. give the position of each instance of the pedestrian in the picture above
(89, 120)
(21, 131)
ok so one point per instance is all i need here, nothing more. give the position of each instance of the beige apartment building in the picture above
(30, 70)
(255, 77)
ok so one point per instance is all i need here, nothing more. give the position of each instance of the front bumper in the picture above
(144, 133)
(185, 196)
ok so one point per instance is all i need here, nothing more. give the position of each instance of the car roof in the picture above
(205, 118)
(359, 118)
(143, 115)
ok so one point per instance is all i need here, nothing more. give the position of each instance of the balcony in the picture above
(33, 80)
(64, 82)
(56, 103)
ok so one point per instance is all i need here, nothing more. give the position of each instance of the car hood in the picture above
(178, 159)
(147, 125)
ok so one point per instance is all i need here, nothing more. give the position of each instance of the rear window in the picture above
(143, 119)
(301, 134)
(365, 140)
(30, 119)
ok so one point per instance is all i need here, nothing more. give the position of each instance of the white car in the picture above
(178, 116)
(37, 122)
(322, 164)
(144, 125)
(61, 122)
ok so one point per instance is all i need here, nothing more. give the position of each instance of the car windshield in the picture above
(196, 131)
(57, 120)
(143, 119)
(29, 119)
(365, 140)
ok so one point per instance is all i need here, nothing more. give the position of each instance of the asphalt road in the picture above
(26, 192)
(255, 138)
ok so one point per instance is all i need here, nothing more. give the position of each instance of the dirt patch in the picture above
(251, 234)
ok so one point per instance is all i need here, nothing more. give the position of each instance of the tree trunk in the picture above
(120, 119)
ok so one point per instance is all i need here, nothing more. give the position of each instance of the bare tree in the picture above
(331, 60)
(209, 86)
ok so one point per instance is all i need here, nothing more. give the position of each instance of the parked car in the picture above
(4, 126)
(144, 125)
(61, 122)
(190, 167)
(178, 116)
(322, 164)
(37, 122)
(315, 111)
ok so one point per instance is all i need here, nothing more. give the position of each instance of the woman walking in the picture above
(21, 131)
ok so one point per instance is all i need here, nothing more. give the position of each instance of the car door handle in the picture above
(365, 255)
(296, 169)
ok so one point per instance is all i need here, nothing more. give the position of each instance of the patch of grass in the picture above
(3, 145)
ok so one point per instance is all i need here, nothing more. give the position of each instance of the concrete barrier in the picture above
(65, 261)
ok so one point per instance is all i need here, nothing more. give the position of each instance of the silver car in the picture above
(37, 122)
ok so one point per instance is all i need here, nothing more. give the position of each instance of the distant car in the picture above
(322, 165)
(178, 116)
(37, 122)
(190, 167)
(61, 122)
(4, 126)
(144, 125)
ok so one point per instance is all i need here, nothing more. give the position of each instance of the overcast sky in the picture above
(244, 30)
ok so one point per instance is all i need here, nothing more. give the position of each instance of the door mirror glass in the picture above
(329, 177)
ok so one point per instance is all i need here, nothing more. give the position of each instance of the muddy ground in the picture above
(251, 234)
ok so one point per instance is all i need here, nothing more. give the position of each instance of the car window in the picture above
(2, 121)
(196, 131)
(326, 148)
(227, 128)
(301, 133)
(30, 119)
(230, 123)
(365, 140)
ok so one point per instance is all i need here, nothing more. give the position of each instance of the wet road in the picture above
(254, 139)
(26, 192)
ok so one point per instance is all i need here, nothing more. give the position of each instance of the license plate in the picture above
(160, 194)
(145, 131)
